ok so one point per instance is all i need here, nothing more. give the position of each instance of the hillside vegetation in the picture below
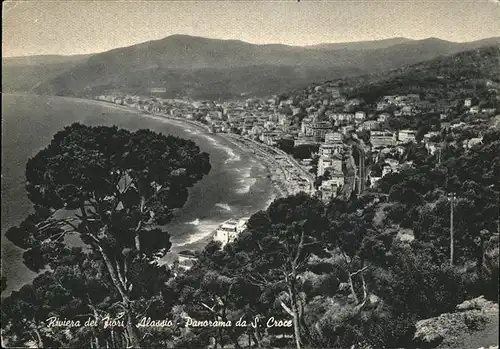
(207, 68)
(373, 271)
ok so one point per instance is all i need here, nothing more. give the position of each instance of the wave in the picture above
(195, 222)
(203, 231)
(247, 185)
(210, 139)
(224, 206)
(246, 172)
(233, 157)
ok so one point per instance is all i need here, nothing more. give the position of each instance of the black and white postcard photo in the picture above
(230, 174)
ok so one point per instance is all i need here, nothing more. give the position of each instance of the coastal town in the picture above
(325, 143)
(264, 174)
(322, 142)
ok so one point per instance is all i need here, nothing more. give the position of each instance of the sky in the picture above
(81, 27)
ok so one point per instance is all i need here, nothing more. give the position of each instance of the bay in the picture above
(237, 185)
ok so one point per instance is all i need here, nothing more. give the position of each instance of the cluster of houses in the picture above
(330, 123)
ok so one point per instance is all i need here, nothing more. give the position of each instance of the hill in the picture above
(208, 68)
(26, 73)
(360, 45)
(444, 78)
(42, 60)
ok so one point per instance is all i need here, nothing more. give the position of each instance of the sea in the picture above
(238, 184)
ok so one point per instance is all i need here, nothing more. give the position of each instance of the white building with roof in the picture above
(229, 230)
(360, 116)
(334, 137)
(407, 136)
(381, 139)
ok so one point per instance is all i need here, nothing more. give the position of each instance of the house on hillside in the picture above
(406, 136)
(332, 162)
(334, 137)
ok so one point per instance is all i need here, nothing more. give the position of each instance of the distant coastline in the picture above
(258, 150)
(241, 195)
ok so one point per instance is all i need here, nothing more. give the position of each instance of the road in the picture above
(360, 171)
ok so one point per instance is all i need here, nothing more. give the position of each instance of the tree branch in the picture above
(299, 248)
(211, 309)
(287, 309)
(119, 273)
(359, 271)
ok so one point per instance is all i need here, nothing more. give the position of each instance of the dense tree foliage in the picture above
(111, 189)
(342, 274)
(441, 78)
(355, 273)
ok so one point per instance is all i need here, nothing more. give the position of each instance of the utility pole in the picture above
(498, 220)
(361, 163)
(452, 199)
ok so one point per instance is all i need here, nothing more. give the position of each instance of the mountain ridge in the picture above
(384, 42)
(193, 66)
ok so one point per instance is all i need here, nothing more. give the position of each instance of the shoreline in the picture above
(260, 151)
(279, 181)
(273, 170)
(273, 191)
(263, 152)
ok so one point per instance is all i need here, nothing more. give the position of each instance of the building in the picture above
(333, 91)
(334, 137)
(432, 147)
(348, 117)
(330, 149)
(429, 135)
(347, 129)
(282, 118)
(489, 111)
(373, 180)
(332, 163)
(390, 166)
(301, 140)
(474, 110)
(370, 125)
(468, 102)
(383, 117)
(360, 116)
(382, 139)
(337, 178)
(186, 259)
(330, 188)
(406, 136)
(413, 97)
(271, 138)
(354, 102)
(317, 129)
(229, 230)
(256, 130)
(158, 90)
(382, 106)
(407, 110)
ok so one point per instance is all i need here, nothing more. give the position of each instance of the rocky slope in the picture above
(474, 324)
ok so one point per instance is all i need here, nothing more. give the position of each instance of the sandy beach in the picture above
(238, 185)
(276, 173)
